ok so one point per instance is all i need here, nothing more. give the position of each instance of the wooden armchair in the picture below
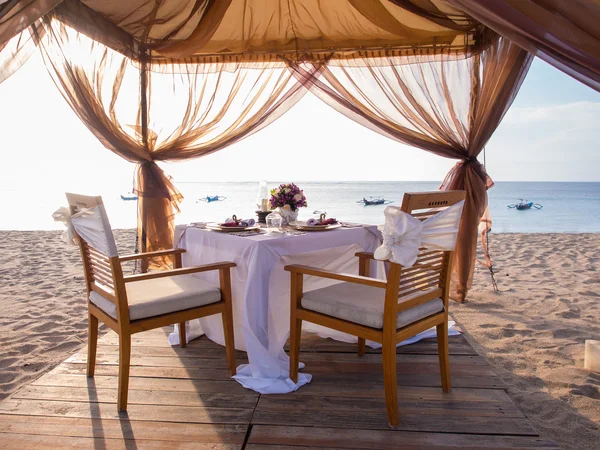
(135, 303)
(409, 302)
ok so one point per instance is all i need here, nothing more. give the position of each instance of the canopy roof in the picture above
(257, 30)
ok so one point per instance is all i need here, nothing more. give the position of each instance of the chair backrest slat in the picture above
(430, 269)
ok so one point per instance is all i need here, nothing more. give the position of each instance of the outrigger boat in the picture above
(374, 201)
(524, 204)
(211, 198)
(129, 196)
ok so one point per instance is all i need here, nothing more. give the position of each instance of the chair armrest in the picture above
(171, 251)
(174, 272)
(306, 270)
(365, 255)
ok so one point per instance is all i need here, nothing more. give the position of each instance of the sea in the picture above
(567, 207)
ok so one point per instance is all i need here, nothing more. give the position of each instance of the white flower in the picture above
(287, 190)
(287, 207)
(298, 197)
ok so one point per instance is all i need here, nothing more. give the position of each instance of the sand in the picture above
(532, 331)
(43, 312)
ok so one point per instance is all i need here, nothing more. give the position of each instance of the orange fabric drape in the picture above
(442, 103)
(565, 34)
(15, 53)
(17, 15)
(147, 113)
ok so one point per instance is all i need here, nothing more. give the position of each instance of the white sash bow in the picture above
(404, 235)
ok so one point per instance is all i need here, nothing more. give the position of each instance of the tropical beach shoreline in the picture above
(532, 331)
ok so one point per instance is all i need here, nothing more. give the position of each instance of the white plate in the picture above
(301, 225)
(217, 227)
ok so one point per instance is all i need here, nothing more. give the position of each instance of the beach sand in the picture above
(532, 331)
(43, 311)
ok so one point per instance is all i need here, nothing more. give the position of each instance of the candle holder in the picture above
(262, 216)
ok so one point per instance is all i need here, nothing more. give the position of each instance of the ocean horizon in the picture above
(568, 207)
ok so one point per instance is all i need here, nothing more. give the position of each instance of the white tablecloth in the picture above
(261, 292)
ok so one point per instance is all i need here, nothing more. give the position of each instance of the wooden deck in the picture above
(182, 398)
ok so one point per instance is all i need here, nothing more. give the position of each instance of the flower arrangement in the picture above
(288, 197)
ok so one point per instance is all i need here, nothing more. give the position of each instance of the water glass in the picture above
(274, 222)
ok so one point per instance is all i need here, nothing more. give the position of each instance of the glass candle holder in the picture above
(274, 222)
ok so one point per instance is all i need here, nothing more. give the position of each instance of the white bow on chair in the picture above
(404, 235)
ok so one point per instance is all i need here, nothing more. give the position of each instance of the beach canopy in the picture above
(177, 79)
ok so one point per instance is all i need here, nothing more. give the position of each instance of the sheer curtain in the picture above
(147, 112)
(17, 15)
(15, 52)
(438, 100)
(565, 34)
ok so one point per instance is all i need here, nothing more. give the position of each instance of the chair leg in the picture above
(295, 337)
(361, 346)
(92, 344)
(124, 361)
(442, 340)
(227, 316)
(182, 337)
(391, 383)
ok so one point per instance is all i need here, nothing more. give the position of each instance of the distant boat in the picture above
(374, 201)
(211, 198)
(524, 204)
(129, 196)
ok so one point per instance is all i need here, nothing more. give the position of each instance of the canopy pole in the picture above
(144, 126)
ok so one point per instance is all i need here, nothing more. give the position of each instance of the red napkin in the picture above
(229, 224)
(330, 221)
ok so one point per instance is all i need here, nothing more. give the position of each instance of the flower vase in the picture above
(287, 215)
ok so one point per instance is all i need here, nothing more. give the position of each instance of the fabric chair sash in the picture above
(93, 227)
(404, 235)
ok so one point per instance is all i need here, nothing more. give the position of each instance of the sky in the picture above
(549, 134)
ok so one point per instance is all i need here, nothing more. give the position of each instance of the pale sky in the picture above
(550, 134)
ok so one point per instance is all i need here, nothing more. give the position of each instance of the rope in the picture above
(487, 243)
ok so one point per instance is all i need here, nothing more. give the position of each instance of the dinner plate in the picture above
(301, 225)
(217, 227)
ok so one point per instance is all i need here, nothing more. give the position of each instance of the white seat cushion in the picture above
(159, 296)
(364, 305)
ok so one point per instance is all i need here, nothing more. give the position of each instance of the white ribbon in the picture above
(404, 235)
(63, 215)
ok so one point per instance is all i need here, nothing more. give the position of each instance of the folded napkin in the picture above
(247, 222)
(240, 223)
(312, 222)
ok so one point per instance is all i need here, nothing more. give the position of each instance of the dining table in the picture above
(261, 289)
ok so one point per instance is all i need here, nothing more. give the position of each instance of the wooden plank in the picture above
(159, 413)
(446, 421)
(123, 429)
(139, 397)
(22, 441)
(154, 384)
(487, 382)
(313, 343)
(325, 405)
(274, 437)
(315, 362)
(190, 351)
(163, 361)
(153, 372)
(366, 389)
